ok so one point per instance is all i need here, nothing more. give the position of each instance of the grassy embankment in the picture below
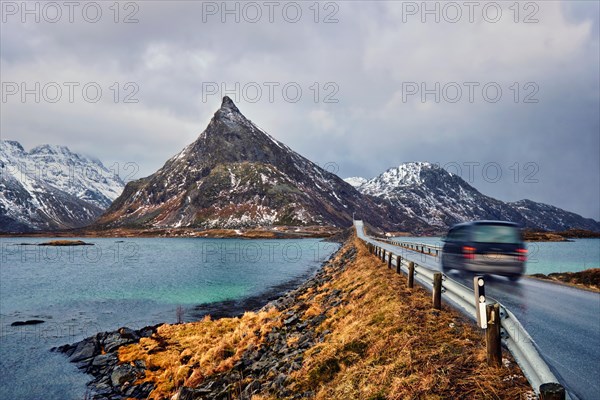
(379, 340)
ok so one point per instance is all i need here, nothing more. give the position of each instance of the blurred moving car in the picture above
(492, 247)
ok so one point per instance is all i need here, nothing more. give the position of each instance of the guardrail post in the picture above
(437, 290)
(383, 255)
(398, 263)
(492, 335)
(552, 391)
(390, 260)
(411, 274)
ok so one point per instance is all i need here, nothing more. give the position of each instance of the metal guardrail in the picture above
(429, 249)
(513, 335)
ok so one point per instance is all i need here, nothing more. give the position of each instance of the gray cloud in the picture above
(369, 55)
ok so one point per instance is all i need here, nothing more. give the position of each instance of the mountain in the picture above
(550, 218)
(51, 187)
(236, 175)
(441, 199)
(356, 181)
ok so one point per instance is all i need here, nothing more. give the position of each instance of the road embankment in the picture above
(353, 331)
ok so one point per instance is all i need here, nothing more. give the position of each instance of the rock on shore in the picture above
(98, 356)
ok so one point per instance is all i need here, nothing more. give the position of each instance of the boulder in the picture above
(121, 374)
(85, 349)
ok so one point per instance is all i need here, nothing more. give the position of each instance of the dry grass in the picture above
(387, 343)
(185, 354)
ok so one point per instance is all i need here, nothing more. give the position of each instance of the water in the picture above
(80, 291)
(547, 257)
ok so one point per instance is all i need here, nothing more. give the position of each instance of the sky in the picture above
(505, 93)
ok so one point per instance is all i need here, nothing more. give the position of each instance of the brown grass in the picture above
(387, 343)
(185, 354)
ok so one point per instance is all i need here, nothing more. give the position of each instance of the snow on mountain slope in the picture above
(439, 198)
(51, 187)
(403, 176)
(355, 181)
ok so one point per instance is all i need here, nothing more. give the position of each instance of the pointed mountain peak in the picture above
(229, 104)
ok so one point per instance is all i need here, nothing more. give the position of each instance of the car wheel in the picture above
(514, 278)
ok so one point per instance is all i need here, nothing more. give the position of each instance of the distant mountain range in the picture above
(441, 199)
(51, 187)
(235, 175)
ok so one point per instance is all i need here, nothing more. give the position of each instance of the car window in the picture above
(496, 234)
(457, 234)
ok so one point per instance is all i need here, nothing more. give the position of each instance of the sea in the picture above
(134, 282)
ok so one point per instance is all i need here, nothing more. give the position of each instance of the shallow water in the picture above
(82, 290)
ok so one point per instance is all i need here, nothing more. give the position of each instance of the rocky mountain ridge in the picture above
(441, 199)
(51, 187)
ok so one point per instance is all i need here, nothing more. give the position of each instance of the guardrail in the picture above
(473, 303)
(424, 248)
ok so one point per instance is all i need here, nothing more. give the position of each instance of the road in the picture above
(564, 322)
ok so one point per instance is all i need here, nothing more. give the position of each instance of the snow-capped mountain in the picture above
(236, 175)
(51, 187)
(355, 181)
(439, 198)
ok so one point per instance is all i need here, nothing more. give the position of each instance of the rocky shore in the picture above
(98, 356)
(267, 367)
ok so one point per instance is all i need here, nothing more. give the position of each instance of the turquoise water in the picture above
(548, 257)
(82, 290)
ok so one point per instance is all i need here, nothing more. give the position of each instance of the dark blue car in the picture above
(491, 247)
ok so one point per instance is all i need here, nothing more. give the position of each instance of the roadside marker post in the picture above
(480, 301)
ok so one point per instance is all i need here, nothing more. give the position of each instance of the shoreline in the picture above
(97, 355)
(276, 232)
(588, 279)
(350, 316)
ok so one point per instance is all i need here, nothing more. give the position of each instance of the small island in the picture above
(66, 243)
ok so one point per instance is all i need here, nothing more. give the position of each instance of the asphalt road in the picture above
(563, 321)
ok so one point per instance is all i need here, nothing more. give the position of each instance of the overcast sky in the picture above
(506, 96)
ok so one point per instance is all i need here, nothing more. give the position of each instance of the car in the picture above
(489, 247)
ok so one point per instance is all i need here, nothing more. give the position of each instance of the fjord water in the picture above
(547, 257)
(79, 291)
